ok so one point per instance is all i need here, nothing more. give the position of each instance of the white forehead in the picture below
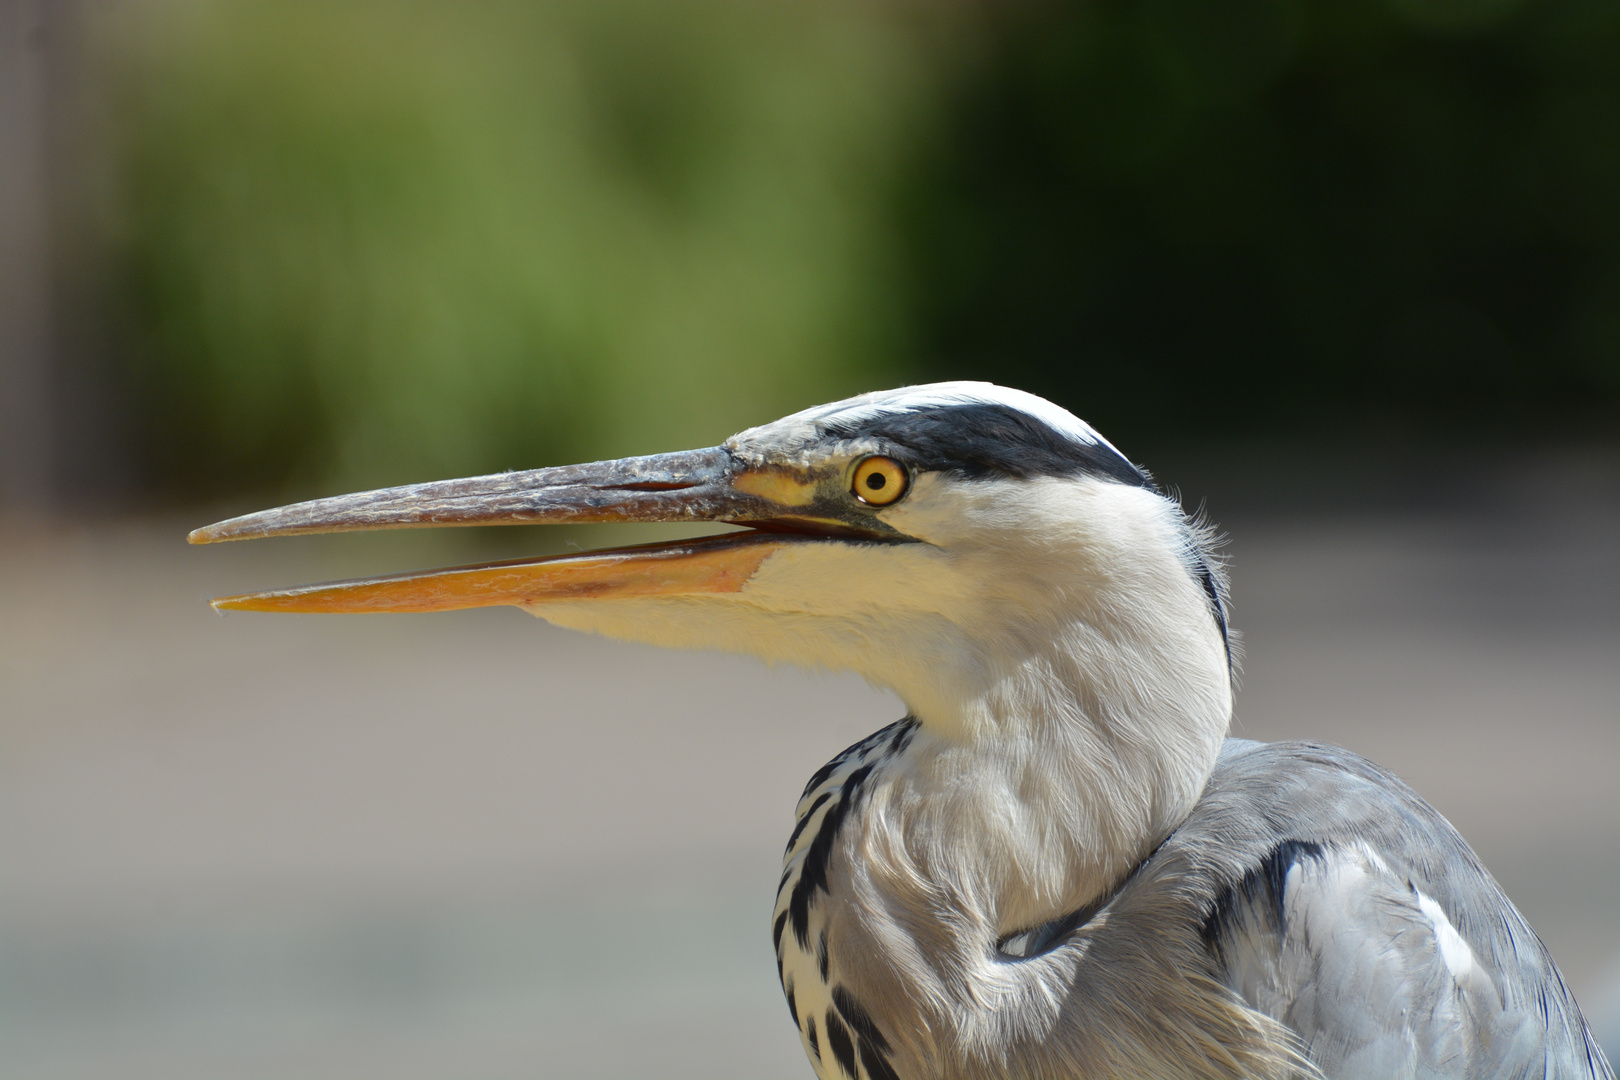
(801, 428)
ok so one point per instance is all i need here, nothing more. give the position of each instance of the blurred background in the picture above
(1346, 273)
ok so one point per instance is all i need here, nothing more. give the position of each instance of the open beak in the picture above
(783, 505)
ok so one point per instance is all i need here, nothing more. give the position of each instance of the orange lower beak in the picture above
(718, 564)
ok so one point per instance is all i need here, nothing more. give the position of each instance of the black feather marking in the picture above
(819, 777)
(813, 871)
(987, 439)
(1217, 602)
(1278, 863)
(810, 1034)
(873, 1046)
(1269, 875)
(822, 956)
(793, 1006)
(776, 931)
(859, 1020)
(849, 752)
(842, 1047)
(877, 1064)
(805, 820)
(1049, 935)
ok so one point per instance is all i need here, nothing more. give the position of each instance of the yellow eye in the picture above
(880, 481)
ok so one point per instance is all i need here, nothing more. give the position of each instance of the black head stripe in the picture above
(1215, 589)
(986, 439)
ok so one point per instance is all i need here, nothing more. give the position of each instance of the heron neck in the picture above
(1049, 782)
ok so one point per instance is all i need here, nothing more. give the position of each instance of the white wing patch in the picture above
(1370, 971)
(1459, 958)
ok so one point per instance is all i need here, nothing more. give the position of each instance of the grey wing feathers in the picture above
(1355, 915)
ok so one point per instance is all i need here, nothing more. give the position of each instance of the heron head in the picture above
(966, 545)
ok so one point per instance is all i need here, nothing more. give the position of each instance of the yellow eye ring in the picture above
(879, 481)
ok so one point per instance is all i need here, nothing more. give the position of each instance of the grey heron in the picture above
(1057, 864)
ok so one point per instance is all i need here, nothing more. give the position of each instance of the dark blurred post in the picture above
(26, 428)
(62, 405)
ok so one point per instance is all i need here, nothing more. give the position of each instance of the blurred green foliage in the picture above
(377, 240)
(1296, 218)
(370, 242)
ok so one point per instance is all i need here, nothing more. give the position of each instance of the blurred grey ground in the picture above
(471, 845)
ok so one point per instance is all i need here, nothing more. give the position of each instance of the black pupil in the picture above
(876, 480)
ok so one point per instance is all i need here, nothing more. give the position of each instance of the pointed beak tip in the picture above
(213, 534)
(255, 602)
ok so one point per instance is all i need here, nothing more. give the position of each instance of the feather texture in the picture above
(1311, 917)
